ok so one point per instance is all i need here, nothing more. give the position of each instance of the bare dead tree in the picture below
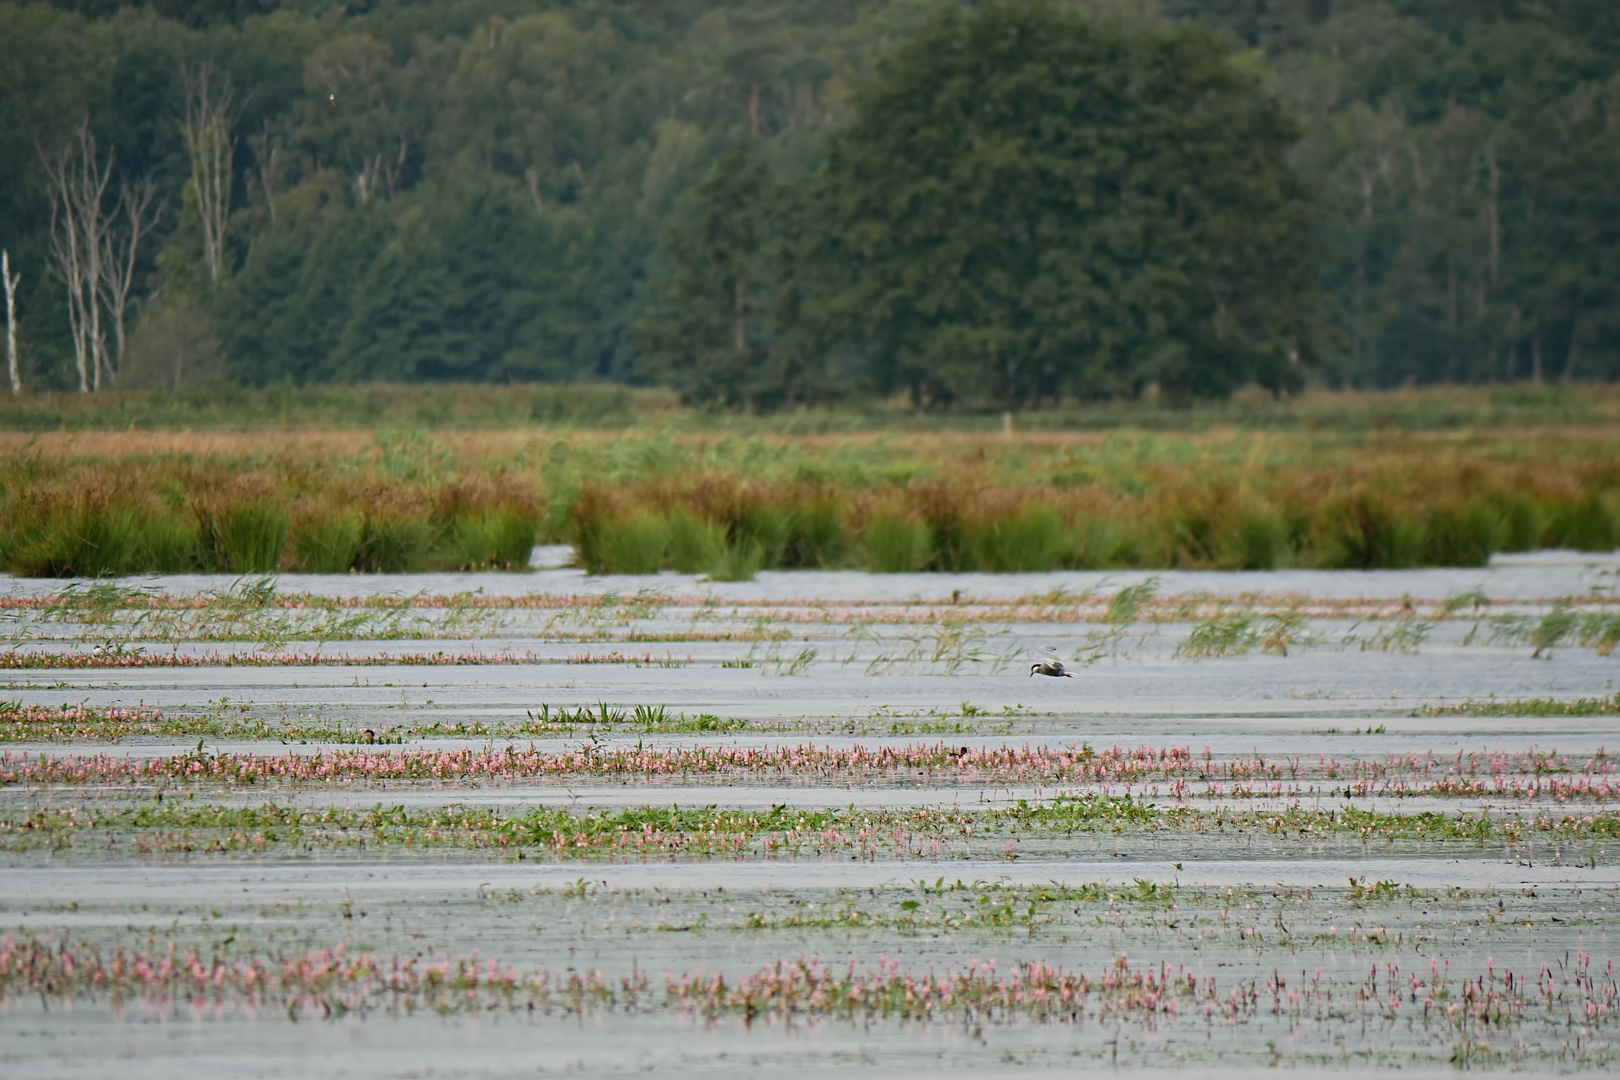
(78, 226)
(11, 281)
(376, 171)
(210, 114)
(94, 251)
(121, 247)
(67, 264)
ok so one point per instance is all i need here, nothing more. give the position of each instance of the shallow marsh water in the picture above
(1278, 914)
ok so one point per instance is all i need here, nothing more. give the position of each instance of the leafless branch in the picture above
(121, 250)
(79, 224)
(210, 114)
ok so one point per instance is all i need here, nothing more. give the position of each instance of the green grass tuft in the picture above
(501, 539)
(738, 563)
(1259, 540)
(696, 544)
(1466, 536)
(1364, 533)
(1591, 524)
(107, 542)
(896, 544)
(100, 541)
(1524, 524)
(633, 545)
(1093, 544)
(1030, 540)
(327, 545)
(244, 539)
(392, 544)
(818, 536)
(760, 525)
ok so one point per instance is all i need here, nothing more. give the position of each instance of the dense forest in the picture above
(778, 202)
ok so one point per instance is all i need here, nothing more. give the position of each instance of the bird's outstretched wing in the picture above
(1044, 652)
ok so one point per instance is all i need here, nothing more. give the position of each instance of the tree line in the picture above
(771, 204)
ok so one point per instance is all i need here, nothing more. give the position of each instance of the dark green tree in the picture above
(710, 340)
(1030, 204)
(284, 313)
(456, 296)
(1019, 206)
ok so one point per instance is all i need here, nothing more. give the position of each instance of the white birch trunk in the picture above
(78, 182)
(121, 248)
(65, 259)
(92, 231)
(11, 281)
(93, 259)
(207, 130)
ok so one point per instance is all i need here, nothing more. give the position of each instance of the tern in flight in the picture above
(1047, 663)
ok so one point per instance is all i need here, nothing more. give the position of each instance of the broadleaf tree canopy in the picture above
(1027, 204)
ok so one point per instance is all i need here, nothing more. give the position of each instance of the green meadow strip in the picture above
(1527, 707)
(181, 827)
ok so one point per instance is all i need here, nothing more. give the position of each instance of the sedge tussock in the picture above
(730, 507)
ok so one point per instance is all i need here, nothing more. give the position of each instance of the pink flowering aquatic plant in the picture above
(1175, 773)
(67, 721)
(335, 980)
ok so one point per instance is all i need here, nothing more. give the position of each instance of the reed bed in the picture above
(729, 507)
(97, 533)
(730, 528)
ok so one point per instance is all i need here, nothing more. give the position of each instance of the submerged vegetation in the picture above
(1175, 773)
(178, 827)
(536, 805)
(1585, 706)
(89, 632)
(729, 507)
(334, 981)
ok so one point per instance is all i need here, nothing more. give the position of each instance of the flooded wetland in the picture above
(491, 824)
(882, 538)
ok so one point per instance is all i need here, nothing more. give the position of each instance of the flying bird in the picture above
(1047, 663)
